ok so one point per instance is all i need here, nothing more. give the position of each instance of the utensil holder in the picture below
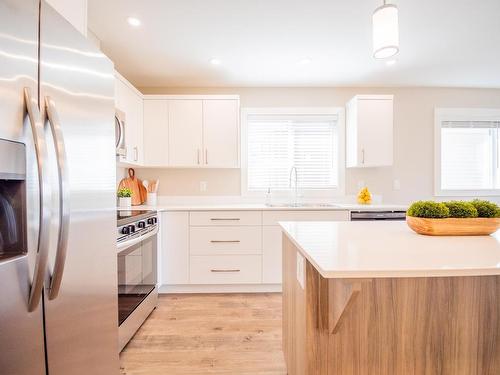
(151, 199)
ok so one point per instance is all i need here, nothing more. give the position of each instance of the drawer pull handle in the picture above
(227, 241)
(225, 219)
(224, 271)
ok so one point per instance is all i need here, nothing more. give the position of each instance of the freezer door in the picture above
(81, 309)
(21, 332)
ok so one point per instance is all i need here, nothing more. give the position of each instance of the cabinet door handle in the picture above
(136, 154)
(363, 156)
(225, 219)
(198, 156)
(206, 156)
(225, 241)
(225, 271)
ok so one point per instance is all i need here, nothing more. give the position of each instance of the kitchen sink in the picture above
(302, 205)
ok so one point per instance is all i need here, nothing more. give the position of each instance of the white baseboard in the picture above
(258, 288)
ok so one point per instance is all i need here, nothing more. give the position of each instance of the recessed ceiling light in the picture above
(304, 61)
(215, 61)
(390, 62)
(132, 21)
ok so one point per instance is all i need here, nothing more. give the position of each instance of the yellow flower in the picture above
(364, 196)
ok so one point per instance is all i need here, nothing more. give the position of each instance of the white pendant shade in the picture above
(385, 31)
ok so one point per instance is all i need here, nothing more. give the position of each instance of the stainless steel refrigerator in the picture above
(58, 277)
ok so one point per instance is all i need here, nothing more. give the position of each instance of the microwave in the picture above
(121, 150)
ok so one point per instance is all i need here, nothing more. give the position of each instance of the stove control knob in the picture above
(125, 230)
(150, 220)
(141, 224)
(155, 220)
(132, 228)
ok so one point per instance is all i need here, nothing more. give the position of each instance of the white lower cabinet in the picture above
(225, 218)
(226, 269)
(227, 247)
(175, 248)
(272, 237)
(225, 240)
(274, 217)
(271, 255)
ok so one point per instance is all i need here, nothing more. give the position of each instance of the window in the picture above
(275, 141)
(467, 153)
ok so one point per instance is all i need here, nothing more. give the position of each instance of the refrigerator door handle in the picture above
(44, 192)
(64, 198)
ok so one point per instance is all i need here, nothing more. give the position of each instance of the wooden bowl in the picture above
(454, 227)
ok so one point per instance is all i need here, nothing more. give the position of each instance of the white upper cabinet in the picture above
(156, 133)
(369, 132)
(191, 131)
(221, 133)
(185, 127)
(129, 100)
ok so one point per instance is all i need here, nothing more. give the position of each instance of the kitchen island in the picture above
(375, 298)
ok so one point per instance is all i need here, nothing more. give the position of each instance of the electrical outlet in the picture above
(203, 186)
(301, 271)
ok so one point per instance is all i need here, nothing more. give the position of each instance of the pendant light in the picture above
(385, 31)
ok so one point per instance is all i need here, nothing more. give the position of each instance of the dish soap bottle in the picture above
(268, 197)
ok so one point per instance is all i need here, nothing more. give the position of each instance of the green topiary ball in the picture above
(428, 209)
(486, 208)
(461, 209)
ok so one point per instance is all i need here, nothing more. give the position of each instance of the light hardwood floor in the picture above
(238, 334)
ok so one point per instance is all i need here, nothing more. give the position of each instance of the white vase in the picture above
(125, 202)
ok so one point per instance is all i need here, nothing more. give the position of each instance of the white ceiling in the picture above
(260, 42)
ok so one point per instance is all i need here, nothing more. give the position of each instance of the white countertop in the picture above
(391, 249)
(263, 207)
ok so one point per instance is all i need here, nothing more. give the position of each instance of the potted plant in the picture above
(454, 218)
(124, 197)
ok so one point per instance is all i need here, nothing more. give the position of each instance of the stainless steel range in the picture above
(137, 270)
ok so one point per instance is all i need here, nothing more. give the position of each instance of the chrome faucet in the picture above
(296, 182)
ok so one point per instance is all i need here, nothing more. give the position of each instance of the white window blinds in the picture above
(278, 143)
(469, 155)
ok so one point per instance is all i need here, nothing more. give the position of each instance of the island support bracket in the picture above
(336, 299)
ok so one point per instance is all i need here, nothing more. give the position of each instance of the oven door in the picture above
(137, 291)
(136, 276)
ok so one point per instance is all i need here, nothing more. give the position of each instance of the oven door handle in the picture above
(64, 198)
(42, 255)
(121, 246)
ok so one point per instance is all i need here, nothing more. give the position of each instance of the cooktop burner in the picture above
(126, 216)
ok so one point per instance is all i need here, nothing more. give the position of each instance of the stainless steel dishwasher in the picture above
(378, 215)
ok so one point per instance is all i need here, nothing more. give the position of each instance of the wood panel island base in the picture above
(394, 320)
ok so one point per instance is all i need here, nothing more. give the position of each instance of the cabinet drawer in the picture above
(274, 217)
(225, 218)
(226, 269)
(225, 240)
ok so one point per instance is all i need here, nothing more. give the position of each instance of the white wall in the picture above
(75, 11)
(413, 137)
